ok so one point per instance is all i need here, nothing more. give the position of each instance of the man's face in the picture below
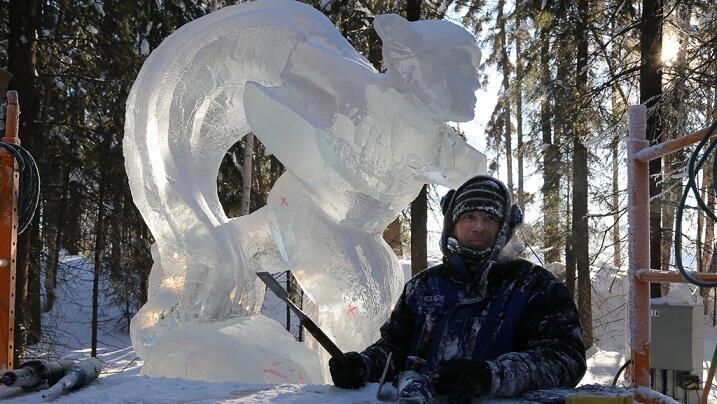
(476, 229)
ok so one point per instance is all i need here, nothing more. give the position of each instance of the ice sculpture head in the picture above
(434, 61)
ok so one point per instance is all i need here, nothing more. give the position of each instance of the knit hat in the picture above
(482, 193)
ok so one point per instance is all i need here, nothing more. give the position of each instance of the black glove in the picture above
(349, 372)
(462, 378)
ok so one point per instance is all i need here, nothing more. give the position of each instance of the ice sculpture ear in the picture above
(397, 34)
(401, 42)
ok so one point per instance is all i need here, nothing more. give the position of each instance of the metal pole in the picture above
(638, 248)
(288, 311)
(301, 306)
(9, 180)
(654, 276)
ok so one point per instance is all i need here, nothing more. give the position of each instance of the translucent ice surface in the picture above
(357, 145)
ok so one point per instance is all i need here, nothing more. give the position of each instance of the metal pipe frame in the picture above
(653, 276)
(639, 154)
(638, 201)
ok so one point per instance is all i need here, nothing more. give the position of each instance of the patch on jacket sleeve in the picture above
(431, 303)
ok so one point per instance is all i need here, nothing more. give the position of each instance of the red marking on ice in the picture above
(284, 202)
(352, 309)
(301, 377)
(291, 370)
(277, 374)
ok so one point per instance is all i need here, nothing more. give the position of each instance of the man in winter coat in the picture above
(479, 323)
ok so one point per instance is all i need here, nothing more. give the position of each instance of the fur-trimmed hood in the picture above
(498, 252)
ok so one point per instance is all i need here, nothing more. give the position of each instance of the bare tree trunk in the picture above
(52, 264)
(712, 110)
(619, 103)
(617, 111)
(651, 94)
(53, 258)
(707, 182)
(505, 62)
(419, 207)
(392, 236)
(258, 174)
(33, 313)
(551, 160)
(116, 226)
(668, 212)
(100, 242)
(699, 246)
(672, 191)
(72, 227)
(24, 21)
(707, 248)
(562, 129)
(413, 10)
(58, 206)
(580, 185)
(246, 174)
(677, 116)
(707, 256)
(616, 242)
(570, 263)
(99, 247)
(419, 233)
(519, 118)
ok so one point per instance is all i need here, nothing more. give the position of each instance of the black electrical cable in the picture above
(694, 165)
(619, 372)
(29, 192)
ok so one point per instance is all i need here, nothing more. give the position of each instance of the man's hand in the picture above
(350, 372)
(462, 378)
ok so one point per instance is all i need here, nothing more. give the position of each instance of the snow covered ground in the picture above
(120, 381)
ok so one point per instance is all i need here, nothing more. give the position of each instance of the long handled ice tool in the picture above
(79, 375)
(308, 324)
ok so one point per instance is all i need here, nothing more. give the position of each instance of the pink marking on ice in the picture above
(277, 374)
(284, 202)
(352, 309)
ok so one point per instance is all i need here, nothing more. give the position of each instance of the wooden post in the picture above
(9, 179)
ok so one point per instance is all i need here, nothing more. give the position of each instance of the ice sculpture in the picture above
(357, 145)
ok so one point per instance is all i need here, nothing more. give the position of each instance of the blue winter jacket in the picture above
(515, 315)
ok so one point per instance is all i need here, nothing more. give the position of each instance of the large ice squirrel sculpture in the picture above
(357, 146)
